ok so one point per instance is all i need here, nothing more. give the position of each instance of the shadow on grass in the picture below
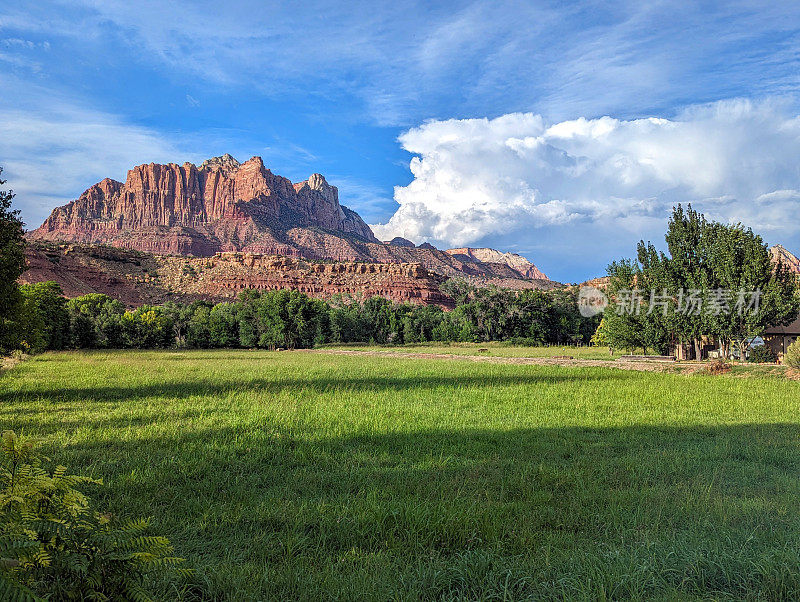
(276, 385)
(625, 512)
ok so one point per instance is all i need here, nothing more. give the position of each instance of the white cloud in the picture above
(52, 147)
(478, 179)
(399, 62)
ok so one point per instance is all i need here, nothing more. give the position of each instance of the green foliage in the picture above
(147, 327)
(623, 317)
(599, 338)
(54, 545)
(792, 356)
(292, 320)
(95, 321)
(46, 316)
(705, 259)
(761, 355)
(12, 264)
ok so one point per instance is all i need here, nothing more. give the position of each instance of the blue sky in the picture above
(462, 123)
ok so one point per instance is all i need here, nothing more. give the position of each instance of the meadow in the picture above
(302, 475)
(497, 349)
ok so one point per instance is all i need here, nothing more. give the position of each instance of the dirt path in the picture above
(641, 366)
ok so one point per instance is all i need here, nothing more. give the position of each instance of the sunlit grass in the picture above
(490, 349)
(294, 475)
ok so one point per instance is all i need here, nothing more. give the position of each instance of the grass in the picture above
(307, 476)
(492, 349)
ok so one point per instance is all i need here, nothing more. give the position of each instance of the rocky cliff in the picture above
(225, 206)
(787, 258)
(188, 210)
(516, 262)
(136, 278)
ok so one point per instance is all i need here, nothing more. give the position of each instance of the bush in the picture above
(52, 544)
(792, 356)
(718, 366)
(761, 355)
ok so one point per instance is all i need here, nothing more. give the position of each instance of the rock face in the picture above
(224, 206)
(780, 253)
(185, 210)
(136, 278)
(512, 260)
(399, 241)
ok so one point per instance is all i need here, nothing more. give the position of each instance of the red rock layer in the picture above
(186, 210)
(225, 275)
(136, 278)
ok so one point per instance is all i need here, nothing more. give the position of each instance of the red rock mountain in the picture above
(224, 206)
(786, 257)
(512, 260)
(188, 210)
(136, 278)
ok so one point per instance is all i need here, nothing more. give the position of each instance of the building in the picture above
(778, 338)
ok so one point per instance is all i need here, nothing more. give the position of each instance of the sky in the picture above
(561, 131)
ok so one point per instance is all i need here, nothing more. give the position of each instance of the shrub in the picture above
(792, 356)
(761, 355)
(718, 366)
(52, 544)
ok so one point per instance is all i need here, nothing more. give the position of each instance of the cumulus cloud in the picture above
(478, 179)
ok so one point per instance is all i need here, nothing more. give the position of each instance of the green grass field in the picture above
(492, 349)
(292, 475)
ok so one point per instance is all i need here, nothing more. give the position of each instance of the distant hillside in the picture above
(136, 278)
(512, 260)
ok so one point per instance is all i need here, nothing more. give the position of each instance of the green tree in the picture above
(687, 271)
(224, 325)
(147, 327)
(198, 326)
(762, 294)
(46, 300)
(95, 321)
(12, 265)
(623, 316)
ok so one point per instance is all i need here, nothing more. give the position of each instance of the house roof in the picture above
(793, 328)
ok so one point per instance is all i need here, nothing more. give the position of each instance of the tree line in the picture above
(38, 317)
(715, 282)
(290, 319)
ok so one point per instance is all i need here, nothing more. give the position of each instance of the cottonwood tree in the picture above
(717, 280)
(763, 294)
(687, 272)
(623, 316)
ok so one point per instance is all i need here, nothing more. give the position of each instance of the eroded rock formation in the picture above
(186, 210)
(224, 206)
(136, 278)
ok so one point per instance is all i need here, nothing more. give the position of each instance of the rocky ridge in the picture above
(787, 258)
(188, 210)
(512, 260)
(224, 206)
(136, 278)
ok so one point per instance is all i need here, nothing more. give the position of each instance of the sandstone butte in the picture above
(223, 208)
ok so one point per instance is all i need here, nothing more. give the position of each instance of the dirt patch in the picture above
(641, 366)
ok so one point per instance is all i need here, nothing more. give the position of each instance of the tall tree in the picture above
(687, 272)
(755, 292)
(623, 316)
(12, 264)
